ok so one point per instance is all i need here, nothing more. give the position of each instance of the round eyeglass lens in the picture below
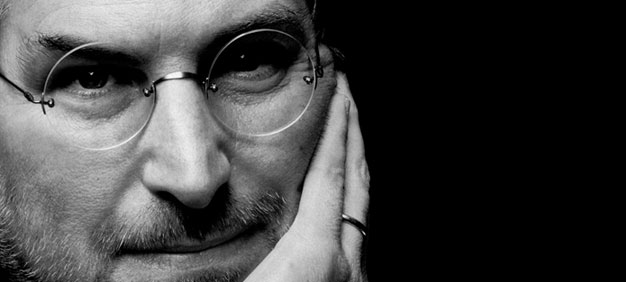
(261, 82)
(98, 97)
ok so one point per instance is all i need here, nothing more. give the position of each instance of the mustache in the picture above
(167, 220)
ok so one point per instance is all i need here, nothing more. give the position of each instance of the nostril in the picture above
(189, 200)
(198, 223)
(218, 204)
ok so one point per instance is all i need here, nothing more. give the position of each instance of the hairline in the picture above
(312, 5)
(4, 7)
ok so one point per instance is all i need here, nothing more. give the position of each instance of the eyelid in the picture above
(67, 77)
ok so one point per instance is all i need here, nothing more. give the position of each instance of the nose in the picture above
(186, 159)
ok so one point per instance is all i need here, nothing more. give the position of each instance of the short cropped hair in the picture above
(4, 7)
(313, 5)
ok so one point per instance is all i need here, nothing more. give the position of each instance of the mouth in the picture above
(196, 247)
(185, 245)
(227, 255)
(193, 246)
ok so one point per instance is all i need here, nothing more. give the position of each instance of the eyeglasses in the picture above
(260, 83)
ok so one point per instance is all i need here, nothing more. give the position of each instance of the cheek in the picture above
(62, 192)
(280, 162)
(55, 205)
(272, 166)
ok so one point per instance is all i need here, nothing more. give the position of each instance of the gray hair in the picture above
(4, 7)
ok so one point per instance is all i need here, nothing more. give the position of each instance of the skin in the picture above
(64, 210)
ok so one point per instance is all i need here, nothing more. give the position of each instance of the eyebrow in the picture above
(296, 22)
(68, 43)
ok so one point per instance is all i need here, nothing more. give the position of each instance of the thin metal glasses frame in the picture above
(319, 73)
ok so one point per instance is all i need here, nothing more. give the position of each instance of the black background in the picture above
(414, 74)
(434, 104)
(465, 115)
(362, 32)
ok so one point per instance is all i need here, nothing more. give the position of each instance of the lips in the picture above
(193, 246)
(178, 244)
(215, 259)
(185, 244)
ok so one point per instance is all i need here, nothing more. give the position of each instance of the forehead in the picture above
(137, 21)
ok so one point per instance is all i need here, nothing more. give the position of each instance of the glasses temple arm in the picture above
(319, 69)
(29, 96)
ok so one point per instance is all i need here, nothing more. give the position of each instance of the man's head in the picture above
(186, 197)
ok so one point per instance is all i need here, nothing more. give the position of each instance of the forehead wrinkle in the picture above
(167, 41)
(230, 17)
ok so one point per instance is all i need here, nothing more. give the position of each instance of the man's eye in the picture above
(253, 62)
(93, 79)
(257, 65)
(246, 62)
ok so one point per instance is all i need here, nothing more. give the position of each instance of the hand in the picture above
(319, 246)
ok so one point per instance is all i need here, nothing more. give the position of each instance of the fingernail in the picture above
(347, 104)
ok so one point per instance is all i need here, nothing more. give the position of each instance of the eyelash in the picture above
(115, 76)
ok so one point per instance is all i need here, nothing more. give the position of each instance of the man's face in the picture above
(185, 200)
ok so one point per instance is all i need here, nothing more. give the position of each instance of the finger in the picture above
(321, 203)
(356, 194)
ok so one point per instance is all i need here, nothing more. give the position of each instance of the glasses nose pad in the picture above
(208, 85)
(212, 87)
(149, 91)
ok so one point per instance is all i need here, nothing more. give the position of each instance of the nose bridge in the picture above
(187, 160)
(180, 98)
